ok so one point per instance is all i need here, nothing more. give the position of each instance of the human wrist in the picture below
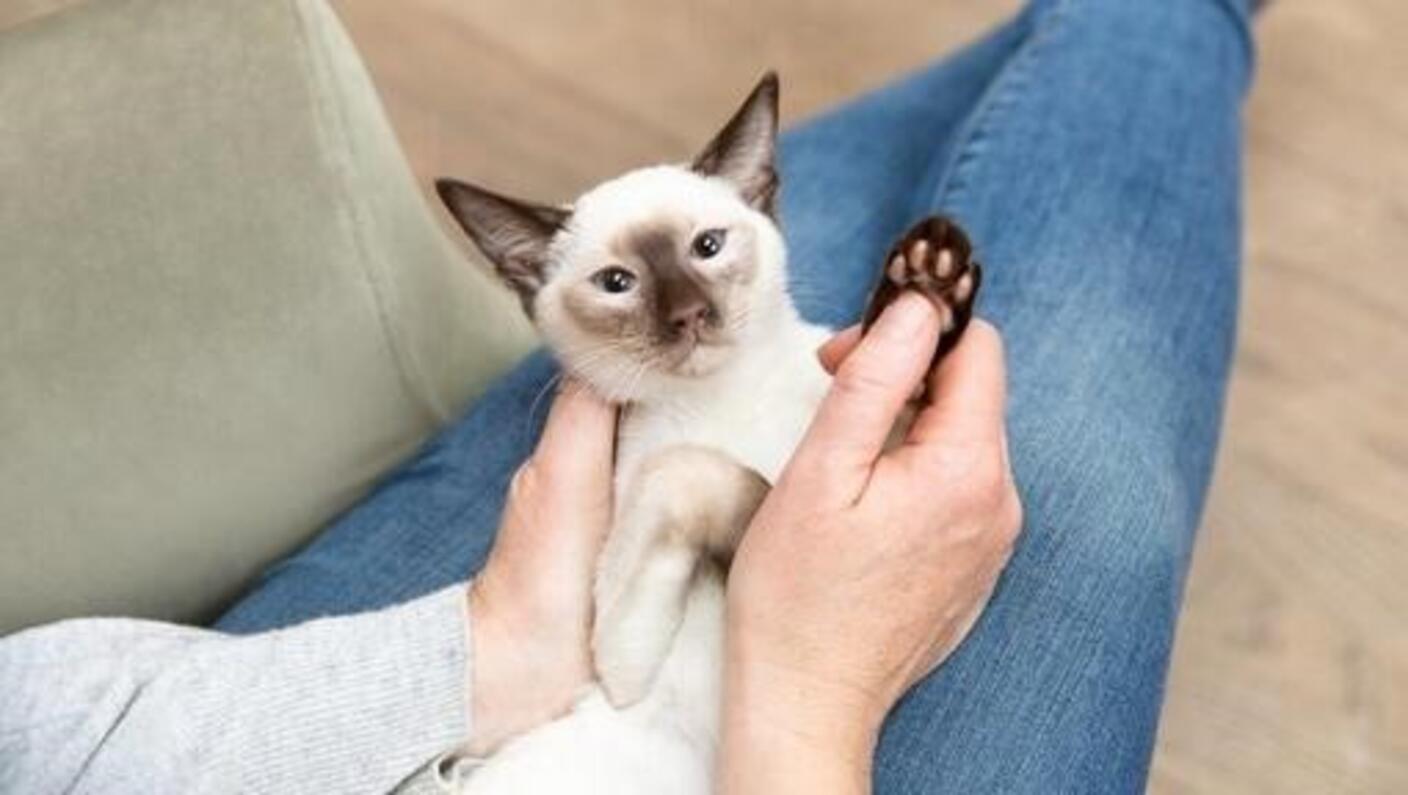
(517, 679)
(786, 730)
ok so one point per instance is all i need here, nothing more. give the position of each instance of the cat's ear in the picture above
(514, 235)
(745, 150)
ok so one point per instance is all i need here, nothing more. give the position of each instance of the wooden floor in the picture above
(1291, 669)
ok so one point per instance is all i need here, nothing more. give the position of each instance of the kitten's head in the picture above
(658, 275)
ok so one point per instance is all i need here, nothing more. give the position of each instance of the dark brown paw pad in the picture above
(935, 258)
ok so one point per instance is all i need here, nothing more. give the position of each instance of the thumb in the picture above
(869, 391)
(967, 390)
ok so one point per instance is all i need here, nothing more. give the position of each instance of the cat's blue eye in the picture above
(708, 243)
(614, 279)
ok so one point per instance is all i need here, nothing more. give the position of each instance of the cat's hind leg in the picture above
(682, 504)
(934, 258)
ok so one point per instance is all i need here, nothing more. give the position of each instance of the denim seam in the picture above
(1244, 36)
(1006, 90)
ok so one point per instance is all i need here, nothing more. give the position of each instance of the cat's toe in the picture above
(919, 260)
(936, 253)
(934, 258)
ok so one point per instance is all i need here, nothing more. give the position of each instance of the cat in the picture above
(665, 290)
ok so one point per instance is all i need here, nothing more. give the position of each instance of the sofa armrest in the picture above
(225, 307)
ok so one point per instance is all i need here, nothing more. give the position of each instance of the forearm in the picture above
(342, 704)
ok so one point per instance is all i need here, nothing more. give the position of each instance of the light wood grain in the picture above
(1291, 670)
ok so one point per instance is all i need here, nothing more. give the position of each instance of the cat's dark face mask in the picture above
(660, 271)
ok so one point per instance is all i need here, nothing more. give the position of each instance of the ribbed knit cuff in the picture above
(369, 697)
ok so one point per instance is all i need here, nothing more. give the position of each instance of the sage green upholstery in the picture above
(225, 307)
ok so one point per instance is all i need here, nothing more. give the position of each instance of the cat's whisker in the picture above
(582, 365)
(586, 360)
(546, 389)
(646, 366)
(589, 355)
(618, 384)
(739, 322)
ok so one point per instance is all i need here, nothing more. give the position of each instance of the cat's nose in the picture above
(690, 316)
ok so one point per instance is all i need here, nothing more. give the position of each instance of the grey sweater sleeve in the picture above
(346, 705)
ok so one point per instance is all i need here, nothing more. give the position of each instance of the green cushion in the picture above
(225, 307)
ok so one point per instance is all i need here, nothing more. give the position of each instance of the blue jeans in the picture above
(1092, 149)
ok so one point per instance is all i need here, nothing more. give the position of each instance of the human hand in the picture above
(531, 605)
(864, 569)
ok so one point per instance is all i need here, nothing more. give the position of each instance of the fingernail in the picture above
(907, 316)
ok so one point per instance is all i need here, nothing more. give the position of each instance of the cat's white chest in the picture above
(755, 415)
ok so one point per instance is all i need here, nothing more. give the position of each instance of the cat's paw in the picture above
(933, 258)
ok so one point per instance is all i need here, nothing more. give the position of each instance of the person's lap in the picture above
(1106, 208)
(1105, 211)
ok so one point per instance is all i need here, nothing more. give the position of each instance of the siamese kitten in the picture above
(665, 290)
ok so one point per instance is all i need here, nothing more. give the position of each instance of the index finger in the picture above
(835, 350)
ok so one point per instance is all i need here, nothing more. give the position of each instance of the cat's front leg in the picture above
(683, 504)
(933, 258)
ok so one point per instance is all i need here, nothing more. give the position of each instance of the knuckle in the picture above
(526, 479)
(1009, 518)
(990, 472)
(985, 492)
(984, 474)
(988, 335)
